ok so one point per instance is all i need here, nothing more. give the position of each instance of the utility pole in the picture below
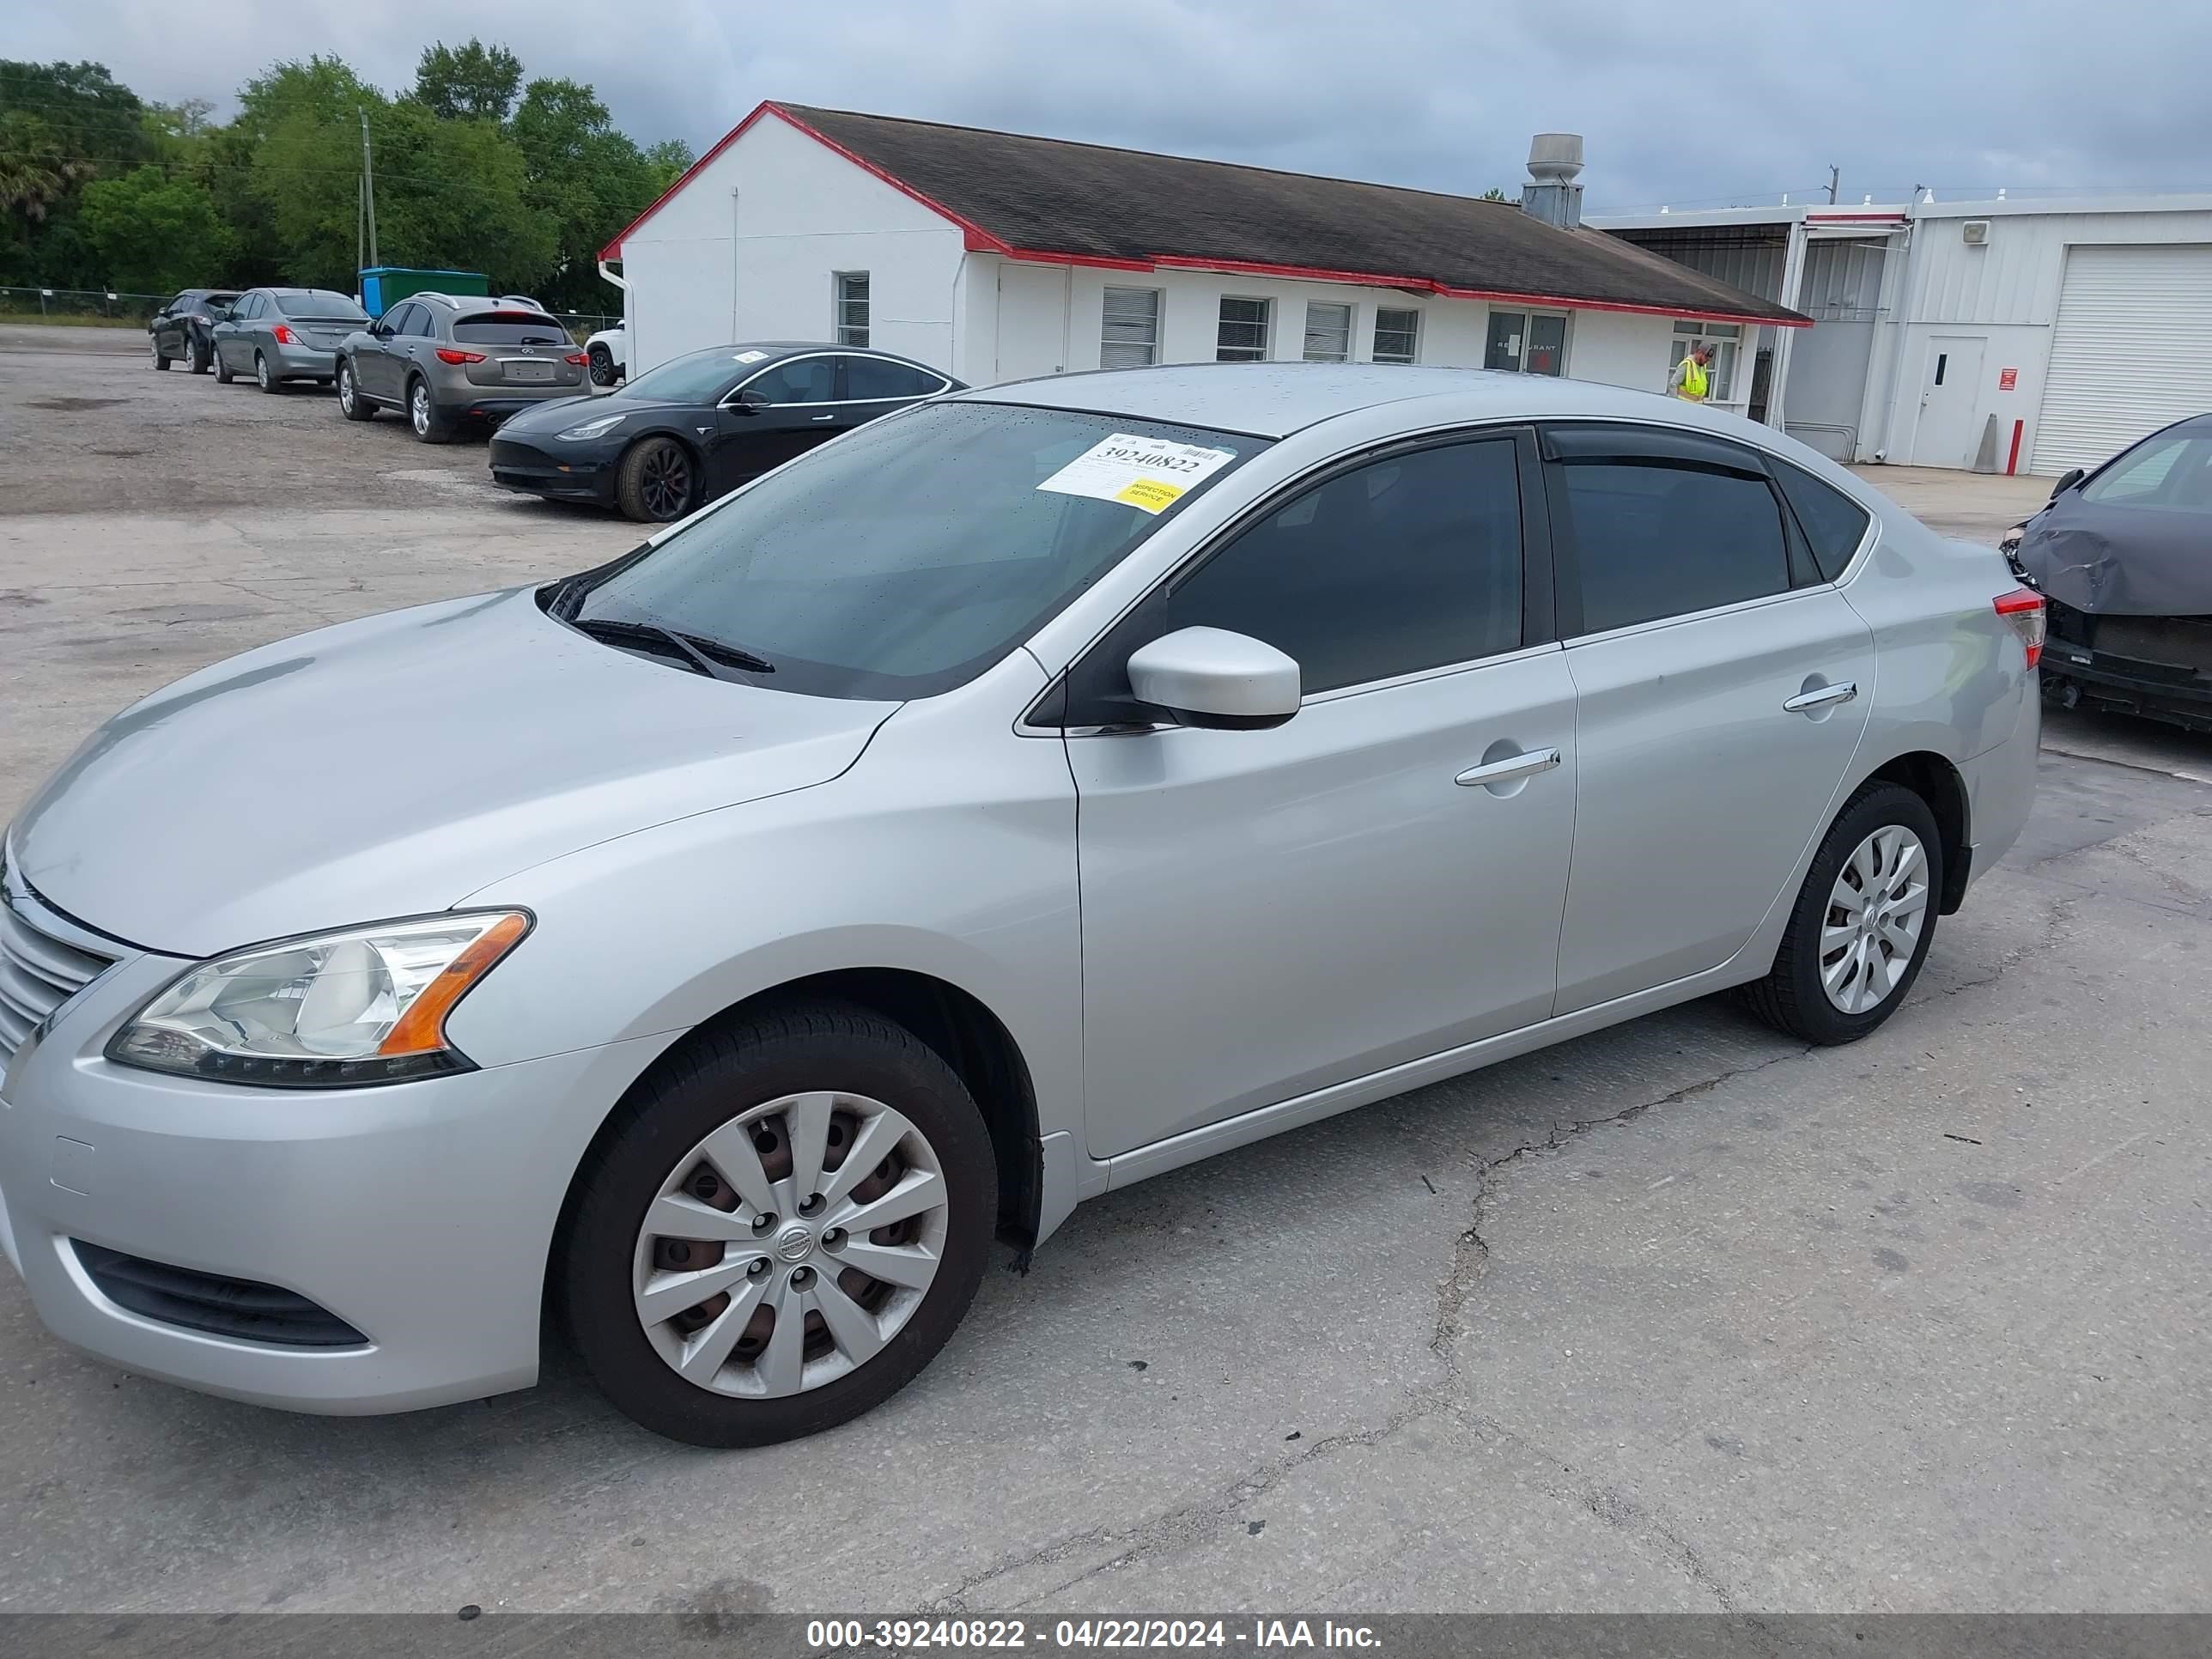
(1835, 177)
(368, 189)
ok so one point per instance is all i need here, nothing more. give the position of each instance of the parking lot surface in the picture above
(1682, 1316)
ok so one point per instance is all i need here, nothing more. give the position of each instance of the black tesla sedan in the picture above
(677, 436)
(2123, 556)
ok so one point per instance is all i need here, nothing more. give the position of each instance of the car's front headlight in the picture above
(598, 428)
(331, 1010)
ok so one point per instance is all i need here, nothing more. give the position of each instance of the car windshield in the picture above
(321, 304)
(904, 559)
(695, 377)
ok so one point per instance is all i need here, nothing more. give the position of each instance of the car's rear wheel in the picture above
(351, 402)
(159, 361)
(263, 376)
(657, 481)
(779, 1228)
(1862, 922)
(196, 354)
(602, 366)
(431, 424)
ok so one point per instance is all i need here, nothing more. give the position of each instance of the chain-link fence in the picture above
(78, 304)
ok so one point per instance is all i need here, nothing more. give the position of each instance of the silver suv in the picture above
(446, 358)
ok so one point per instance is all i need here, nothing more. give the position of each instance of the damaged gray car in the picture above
(2123, 557)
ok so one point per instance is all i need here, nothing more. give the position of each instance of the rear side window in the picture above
(509, 328)
(801, 380)
(1409, 562)
(1654, 537)
(1832, 522)
(871, 380)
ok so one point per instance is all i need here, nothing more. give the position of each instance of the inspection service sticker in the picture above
(1149, 474)
(748, 356)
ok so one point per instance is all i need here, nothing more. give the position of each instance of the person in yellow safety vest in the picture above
(1692, 379)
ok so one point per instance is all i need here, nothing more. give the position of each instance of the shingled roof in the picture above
(1054, 200)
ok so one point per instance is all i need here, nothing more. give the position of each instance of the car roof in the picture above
(1272, 400)
(771, 350)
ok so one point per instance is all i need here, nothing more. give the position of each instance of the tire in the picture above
(657, 482)
(352, 403)
(161, 362)
(431, 424)
(265, 377)
(887, 1090)
(196, 355)
(223, 375)
(1869, 847)
(603, 366)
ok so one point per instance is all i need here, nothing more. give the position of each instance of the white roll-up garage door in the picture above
(2132, 350)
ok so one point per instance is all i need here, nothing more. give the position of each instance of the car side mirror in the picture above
(2067, 480)
(749, 403)
(1212, 679)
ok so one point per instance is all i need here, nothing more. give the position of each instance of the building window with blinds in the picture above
(1397, 335)
(1329, 333)
(852, 308)
(1131, 339)
(1243, 336)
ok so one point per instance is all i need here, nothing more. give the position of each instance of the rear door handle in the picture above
(1524, 764)
(1821, 695)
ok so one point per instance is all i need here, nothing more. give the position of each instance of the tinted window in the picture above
(248, 309)
(2167, 470)
(420, 320)
(1407, 564)
(325, 305)
(697, 377)
(871, 380)
(509, 328)
(802, 381)
(1663, 538)
(908, 555)
(1832, 522)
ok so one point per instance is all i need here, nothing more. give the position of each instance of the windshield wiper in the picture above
(701, 655)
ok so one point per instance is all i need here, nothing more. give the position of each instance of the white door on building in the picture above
(1950, 397)
(1032, 321)
(2132, 350)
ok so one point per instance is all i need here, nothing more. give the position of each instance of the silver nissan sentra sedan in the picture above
(1025, 794)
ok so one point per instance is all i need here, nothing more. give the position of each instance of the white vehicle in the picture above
(609, 350)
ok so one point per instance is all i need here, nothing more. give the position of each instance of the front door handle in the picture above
(826, 417)
(1820, 696)
(1527, 763)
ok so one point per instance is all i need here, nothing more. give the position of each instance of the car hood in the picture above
(2113, 560)
(558, 414)
(390, 767)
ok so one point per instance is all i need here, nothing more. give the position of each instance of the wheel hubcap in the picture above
(345, 390)
(1876, 912)
(419, 406)
(739, 1295)
(667, 482)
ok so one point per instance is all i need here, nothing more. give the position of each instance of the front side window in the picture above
(1243, 335)
(852, 305)
(1725, 339)
(799, 380)
(1130, 335)
(912, 554)
(1527, 343)
(1657, 538)
(1409, 562)
(421, 321)
(2167, 471)
(1329, 333)
(1397, 335)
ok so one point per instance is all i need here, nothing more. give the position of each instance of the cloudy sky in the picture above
(1692, 103)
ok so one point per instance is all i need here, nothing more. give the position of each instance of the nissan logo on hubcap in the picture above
(793, 1242)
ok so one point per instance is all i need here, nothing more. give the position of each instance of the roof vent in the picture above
(1552, 194)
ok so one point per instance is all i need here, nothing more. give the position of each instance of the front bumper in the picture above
(421, 1214)
(2162, 671)
(516, 463)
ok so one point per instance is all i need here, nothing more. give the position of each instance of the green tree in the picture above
(154, 232)
(588, 178)
(474, 81)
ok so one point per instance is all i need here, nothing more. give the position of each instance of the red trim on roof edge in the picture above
(979, 241)
(1834, 218)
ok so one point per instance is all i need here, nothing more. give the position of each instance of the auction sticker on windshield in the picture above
(1149, 474)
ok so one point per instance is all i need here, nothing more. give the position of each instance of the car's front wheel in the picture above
(656, 481)
(1862, 922)
(351, 404)
(779, 1228)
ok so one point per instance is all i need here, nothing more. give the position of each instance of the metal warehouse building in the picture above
(997, 257)
(2026, 336)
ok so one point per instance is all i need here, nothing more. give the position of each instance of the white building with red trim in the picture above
(996, 257)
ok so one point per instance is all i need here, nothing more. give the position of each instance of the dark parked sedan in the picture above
(698, 425)
(2123, 556)
(181, 330)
